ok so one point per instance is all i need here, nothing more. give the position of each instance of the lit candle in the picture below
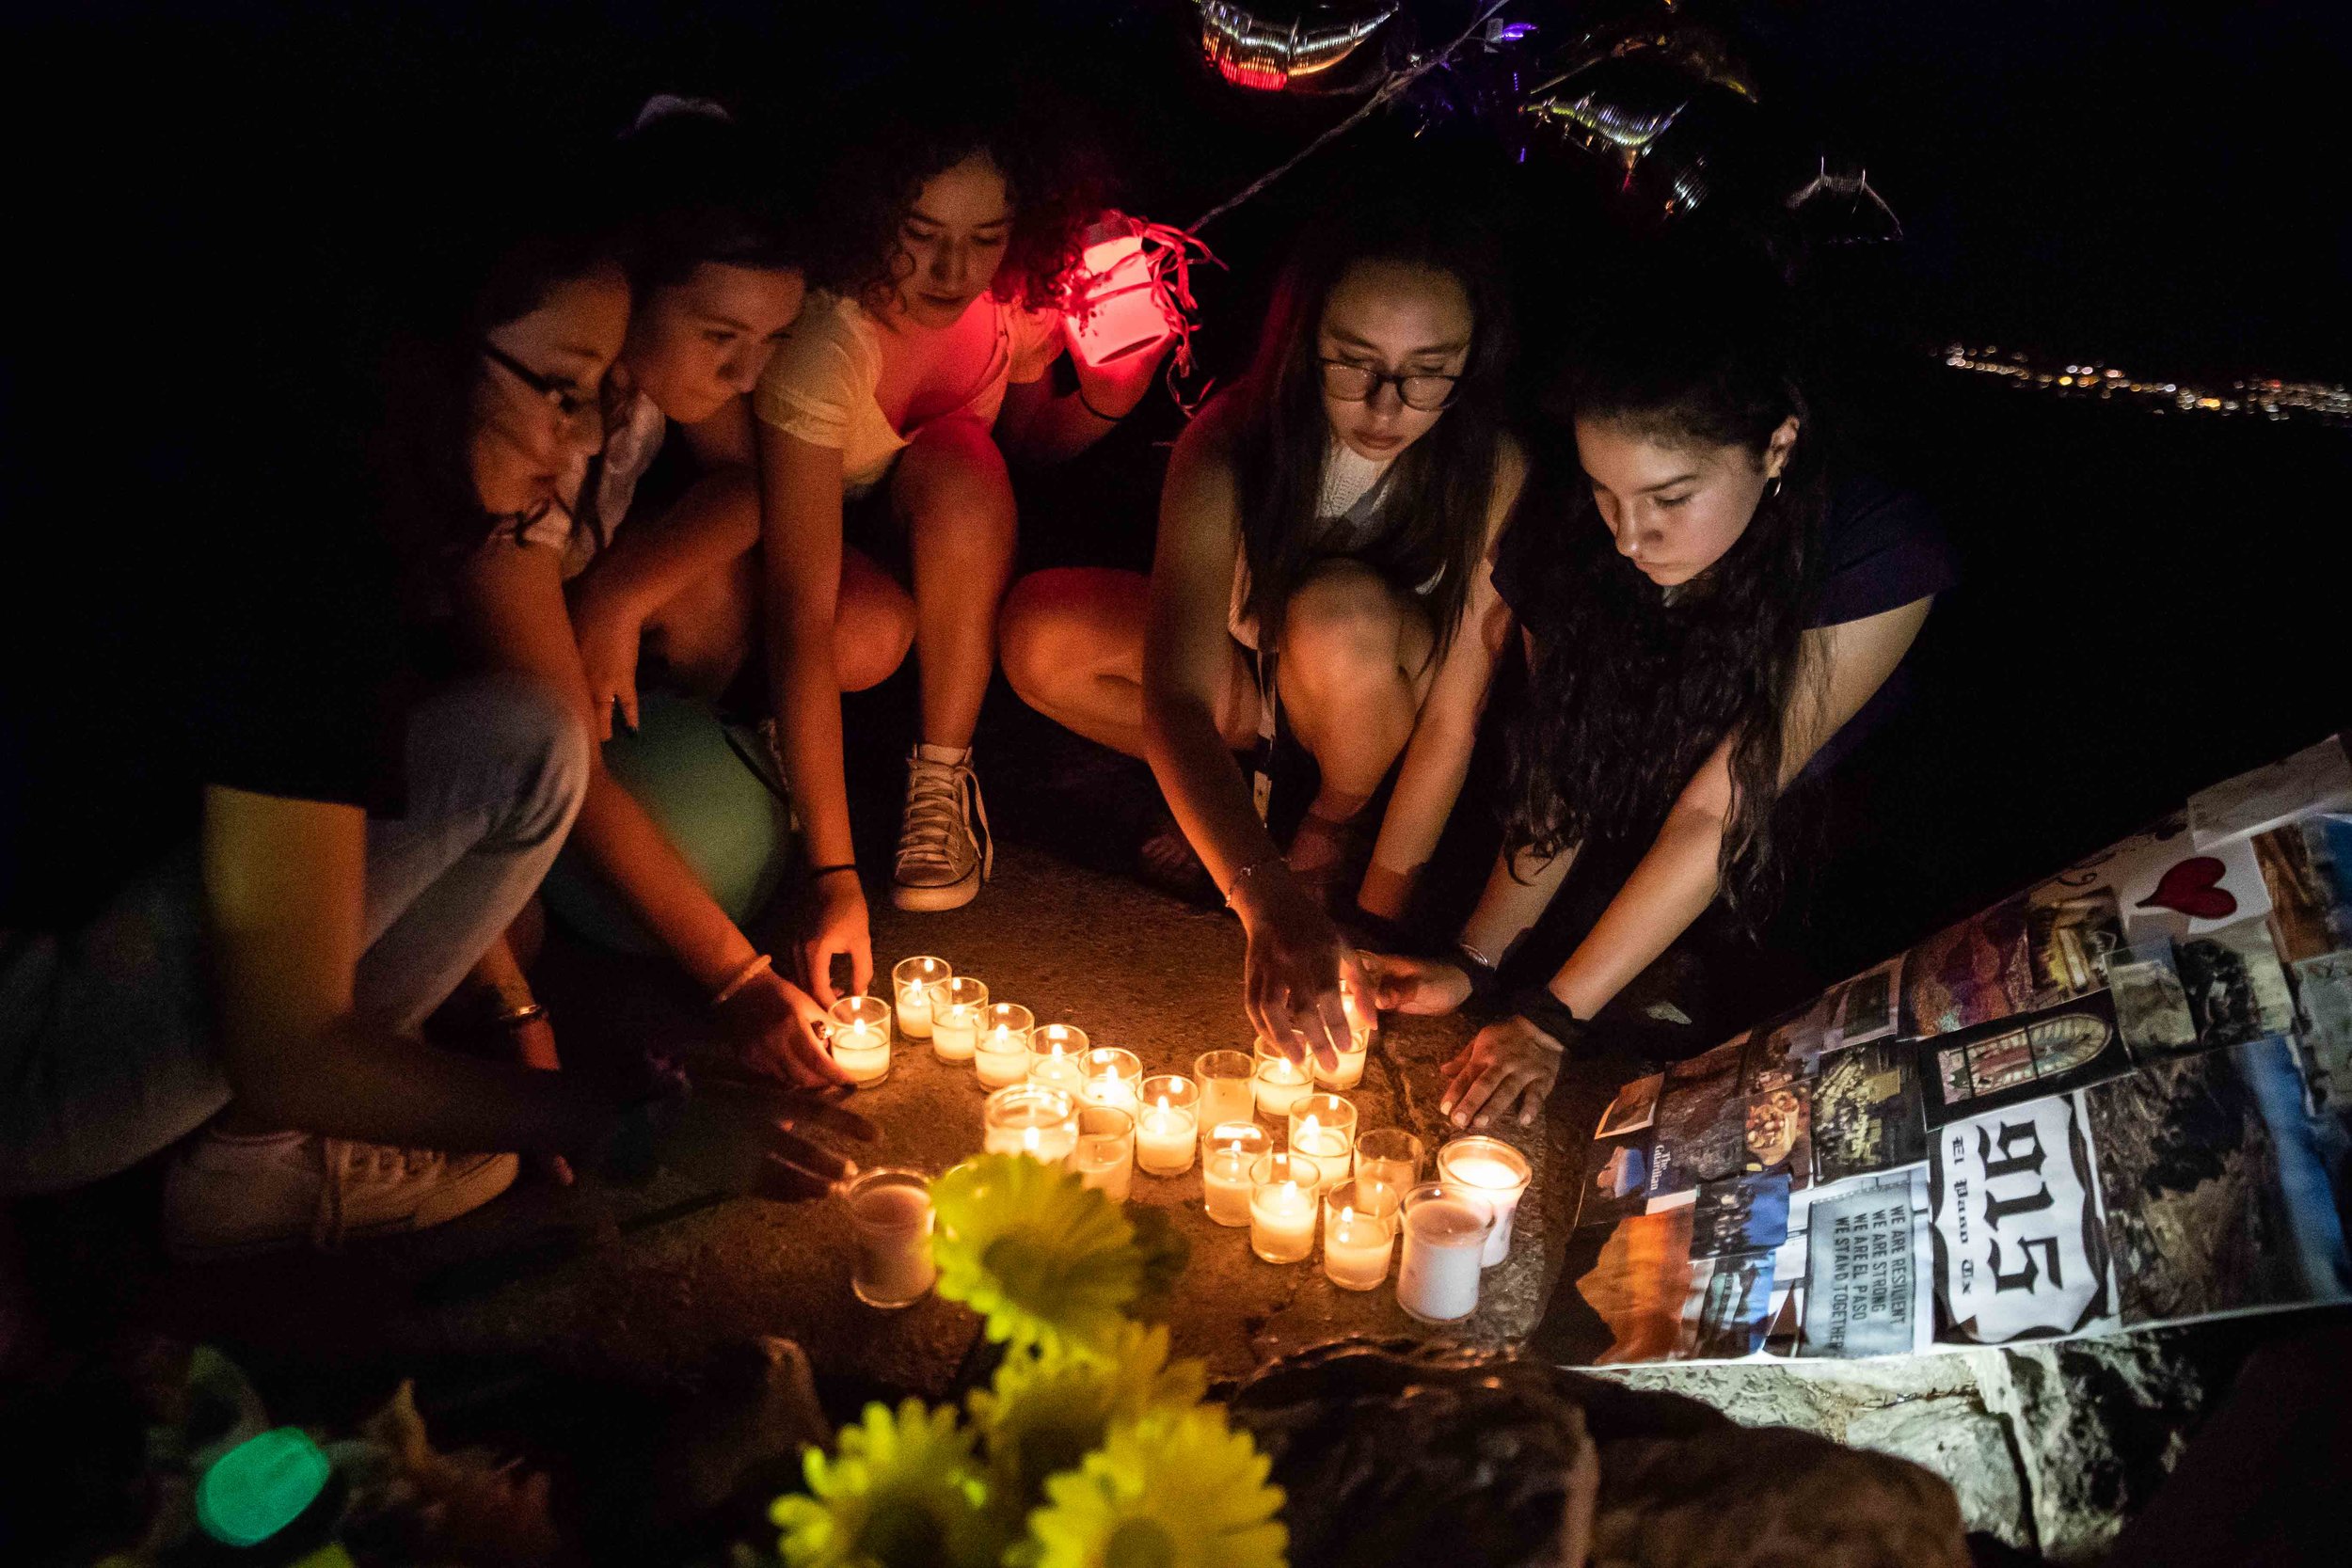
(912, 981)
(1029, 1118)
(1282, 1207)
(1346, 1074)
(1225, 1091)
(1000, 1054)
(1446, 1228)
(1348, 1068)
(955, 1005)
(890, 1218)
(1280, 1082)
(1498, 1172)
(1061, 1072)
(859, 1033)
(1105, 1156)
(1323, 1128)
(1233, 1148)
(1358, 1234)
(1111, 1077)
(1056, 1051)
(1169, 1129)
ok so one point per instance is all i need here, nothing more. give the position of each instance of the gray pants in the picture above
(108, 1051)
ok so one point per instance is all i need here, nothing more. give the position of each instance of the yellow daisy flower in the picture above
(901, 1491)
(1046, 1410)
(1171, 1489)
(1044, 1258)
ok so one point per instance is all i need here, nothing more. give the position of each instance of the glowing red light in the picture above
(1117, 311)
(1259, 77)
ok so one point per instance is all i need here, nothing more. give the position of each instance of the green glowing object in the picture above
(260, 1486)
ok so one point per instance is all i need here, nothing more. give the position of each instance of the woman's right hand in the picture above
(609, 635)
(740, 1138)
(778, 1032)
(1405, 985)
(1295, 969)
(841, 927)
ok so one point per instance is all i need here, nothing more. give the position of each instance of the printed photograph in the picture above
(1635, 1107)
(1780, 1132)
(2217, 1183)
(1790, 1048)
(2150, 1004)
(2325, 1040)
(2310, 905)
(1747, 1214)
(1616, 1182)
(1866, 1115)
(2019, 1060)
(1701, 1126)
(1730, 1307)
(1971, 973)
(2069, 938)
(2237, 991)
(1870, 1007)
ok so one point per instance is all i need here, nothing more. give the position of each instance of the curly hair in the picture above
(1442, 487)
(924, 125)
(1632, 686)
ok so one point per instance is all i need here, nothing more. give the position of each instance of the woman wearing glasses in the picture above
(1322, 569)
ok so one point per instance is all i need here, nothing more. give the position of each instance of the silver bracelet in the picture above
(1239, 877)
(1463, 946)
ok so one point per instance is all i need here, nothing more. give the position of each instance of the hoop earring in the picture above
(1772, 491)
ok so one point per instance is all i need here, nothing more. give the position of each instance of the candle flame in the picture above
(1308, 1129)
(1163, 1103)
(1028, 1139)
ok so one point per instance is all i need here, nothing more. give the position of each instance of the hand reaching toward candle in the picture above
(744, 1137)
(1408, 985)
(1510, 1064)
(1292, 971)
(776, 1029)
(841, 928)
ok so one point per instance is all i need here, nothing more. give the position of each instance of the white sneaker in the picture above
(228, 1194)
(942, 858)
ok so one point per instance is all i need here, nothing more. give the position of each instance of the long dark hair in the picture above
(917, 126)
(692, 185)
(1442, 487)
(1631, 689)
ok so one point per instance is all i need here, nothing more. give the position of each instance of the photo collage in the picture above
(2120, 1098)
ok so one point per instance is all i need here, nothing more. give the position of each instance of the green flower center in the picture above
(1139, 1543)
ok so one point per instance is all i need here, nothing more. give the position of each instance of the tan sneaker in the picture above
(228, 1194)
(944, 857)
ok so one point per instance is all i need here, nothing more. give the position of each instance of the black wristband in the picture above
(815, 872)
(1548, 1013)
(1486, 981)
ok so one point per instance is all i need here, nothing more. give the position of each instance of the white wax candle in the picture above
(955, 1032)
(1437, 1281)
(1225, 1100)
(1500, 1183)
(1164, 1139)
(1346, 1075)
(1001, 1056)
(1225, 1185)
(1058, 1072)
(1327, 1147)
(1355, 1248)
(1282, 1222)
(1105, 1164)
(914, 1010)
(1280, 1086)
(861, 1053)
(1050, 1144)
(893, 1228)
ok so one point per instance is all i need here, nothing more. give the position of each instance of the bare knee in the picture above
(873, 626)
(954, 493)
(1340, 629)
(1062, 626)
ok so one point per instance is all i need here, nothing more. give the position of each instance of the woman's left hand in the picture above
(1116, 388)
(1510, 1065)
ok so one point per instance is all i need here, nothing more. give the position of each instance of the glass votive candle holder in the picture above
(1230, 1151)
(1029, 1118)
(1168, 1127)
(1358, 1234)
(1323, 1128)
(1445, 1227)
(890, 1222)
(1498, 1172)
(956, 1006)
(1282, 1207)
(1111, 1077)
(911, 982)
(1000, 1052)
(1104, 1154)
(1278, 1082)
(1056, 1054)
(1389, 1157)
(858, 1032)
(1227, 1091)
(1348, 1068)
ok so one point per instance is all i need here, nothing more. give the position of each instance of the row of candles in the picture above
(1058, 1097)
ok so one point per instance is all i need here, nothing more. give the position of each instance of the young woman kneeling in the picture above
(1720, 619)
(1324, 565)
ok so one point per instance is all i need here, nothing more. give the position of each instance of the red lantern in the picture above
(1116, 304)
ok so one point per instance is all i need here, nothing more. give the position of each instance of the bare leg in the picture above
(953, 492)
(1355, 668)
(1071, 639)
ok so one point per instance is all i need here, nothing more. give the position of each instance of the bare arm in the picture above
(1437, 757)
(285, 888)
(1037, 428)
(510, 599)
(1676, 880)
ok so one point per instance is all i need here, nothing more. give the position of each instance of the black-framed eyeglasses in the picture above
(1354, 383)
(565, 399)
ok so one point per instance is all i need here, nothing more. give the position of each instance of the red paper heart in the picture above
(2192, 887)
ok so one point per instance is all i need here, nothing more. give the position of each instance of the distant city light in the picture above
(2266, 397)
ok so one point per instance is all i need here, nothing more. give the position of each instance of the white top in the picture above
(821, 384)
(1347, 512)
(589, 512)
